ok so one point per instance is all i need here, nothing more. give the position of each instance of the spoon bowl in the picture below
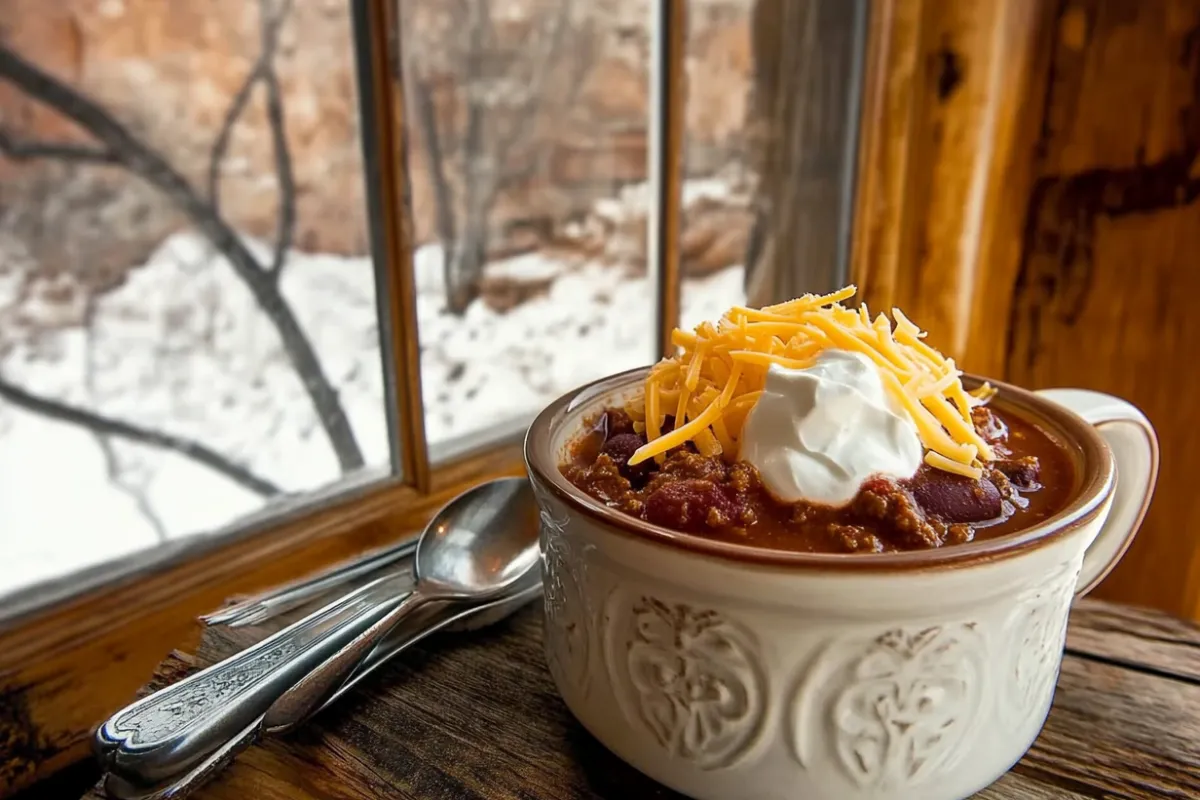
(475, 550)
(480, 543)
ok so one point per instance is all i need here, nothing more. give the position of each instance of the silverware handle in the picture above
(167, 733)
(303, 699)
(435, 617)
(280, 599)
(431, 618)
(116, 786)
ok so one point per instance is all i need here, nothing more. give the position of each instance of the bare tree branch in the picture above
(488, 166)
(107, 426)
(549, 44)
(147, 163)
(221, 144)
(284, 176)
(225, 134)
(116, 476)
(263, 71)
(465, 254)
(424, 111)
(59, 151)
(270, 38)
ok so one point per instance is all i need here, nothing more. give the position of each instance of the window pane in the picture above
(773, 89)
(528, 125)
(188, 328)
(719, 176)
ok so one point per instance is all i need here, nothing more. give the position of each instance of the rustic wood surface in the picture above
(1029, 190)
(477, 717)
(1109, 256)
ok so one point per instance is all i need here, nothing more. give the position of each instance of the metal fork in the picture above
(281, 599)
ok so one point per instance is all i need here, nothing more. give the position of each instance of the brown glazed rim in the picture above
(1094, 484)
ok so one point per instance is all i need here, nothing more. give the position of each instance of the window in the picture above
(527, 156)
(188, 329)
(190, 323)
(719, 176)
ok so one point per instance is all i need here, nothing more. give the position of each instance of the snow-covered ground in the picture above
(181, 347)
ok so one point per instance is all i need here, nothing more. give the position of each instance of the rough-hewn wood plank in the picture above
(1136, 637)
(1015, 785)
(1119, 731)
(477, 717)
(944, 170)
(1102, 296)
(1029, 191)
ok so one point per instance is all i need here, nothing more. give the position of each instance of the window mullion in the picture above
(667, 120)
(381, 87)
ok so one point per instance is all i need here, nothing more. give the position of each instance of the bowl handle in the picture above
(1135, 449)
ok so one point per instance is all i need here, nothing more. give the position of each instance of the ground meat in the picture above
(1022, 472)
(691, 504)
(854, 539)
(743, 478)
(990, 427)
(686, 465)
(895, 513)
(605, 482)
(959, 534)
(686, 491)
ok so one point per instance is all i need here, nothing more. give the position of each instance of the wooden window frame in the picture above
(75, 650)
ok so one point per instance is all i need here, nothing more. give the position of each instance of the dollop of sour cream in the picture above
(817, 434)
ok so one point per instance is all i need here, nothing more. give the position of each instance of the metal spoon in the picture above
(475, 554)
(178, 728)
(431, 619)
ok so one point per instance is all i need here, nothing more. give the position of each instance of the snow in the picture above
(182, 347)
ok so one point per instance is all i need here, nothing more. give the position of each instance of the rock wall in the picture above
(168, 70)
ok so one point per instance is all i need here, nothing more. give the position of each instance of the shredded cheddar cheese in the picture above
(939, 461)
(720, 370)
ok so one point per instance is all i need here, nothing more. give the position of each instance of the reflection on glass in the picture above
(719, 176)
(187, 310)
(772, 111)
(528, 125)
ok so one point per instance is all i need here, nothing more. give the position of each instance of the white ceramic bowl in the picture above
(729, 672)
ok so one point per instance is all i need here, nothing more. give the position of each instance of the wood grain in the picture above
(1029, 191)
(477, 717)
(1102, 298)
(64, 671)
(1120, 731)
(943, 163)
(1135, 637)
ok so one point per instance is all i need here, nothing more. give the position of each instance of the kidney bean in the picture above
(620, 449)
(954, 498)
